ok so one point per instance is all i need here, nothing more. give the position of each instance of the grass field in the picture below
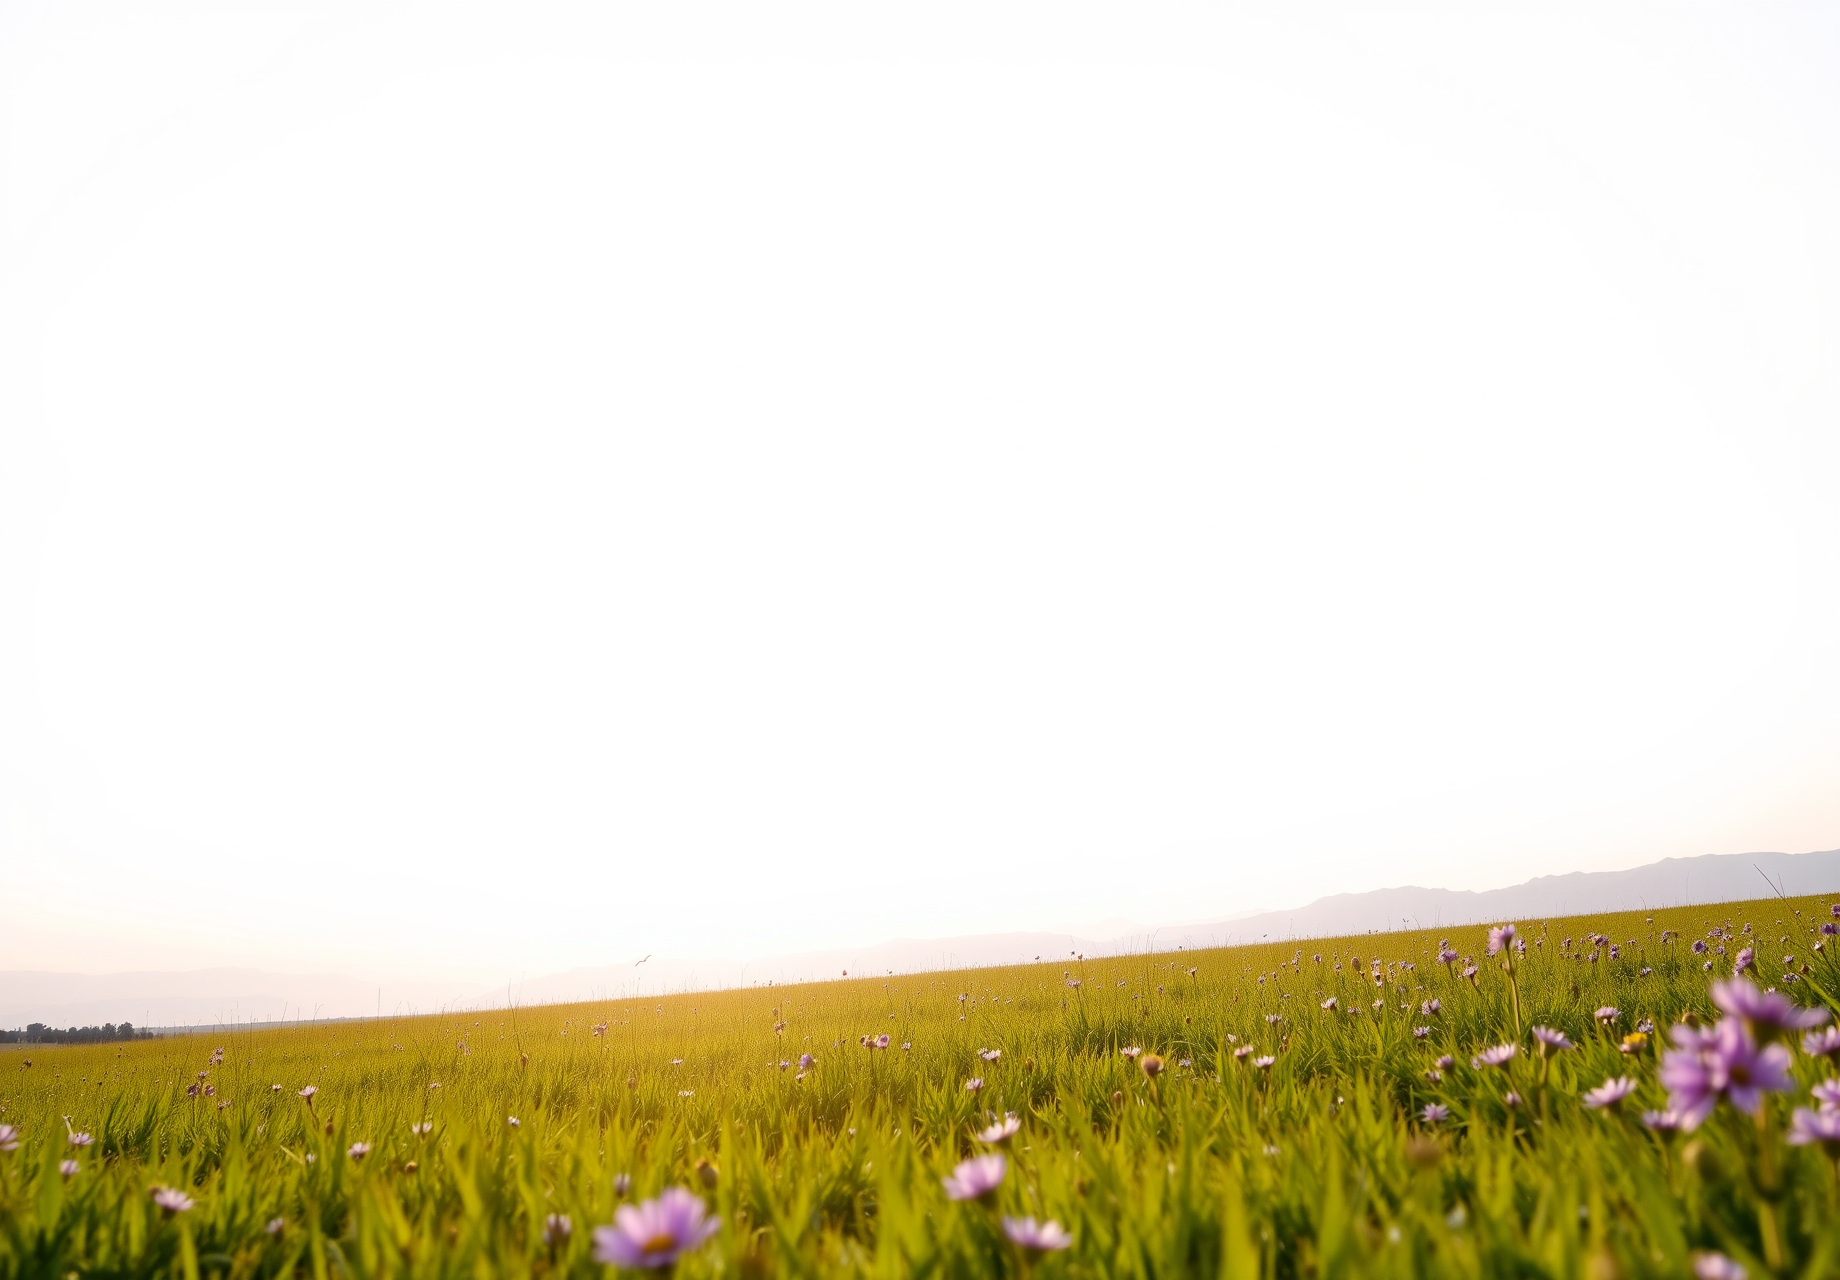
(1311, 1155)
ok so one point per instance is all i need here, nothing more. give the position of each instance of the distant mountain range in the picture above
(1672, 882)
(228, 996)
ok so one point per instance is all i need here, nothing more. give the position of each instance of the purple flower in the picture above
(1550, 1039)
(1002, 1131)
(1447, 956)
(883, 1041)
(1041, 1237)
(1430, 1008)
(1830, 929)
(1445, 1062)
(556, 1228)
(1434, 1113)
(1419, 1033)
(1827, 1093)
(1499, 937)
(1720, 1062)
(359, 1150)
(309, 1091)
(1716, 1266)
(622, 1183)
(1329, 1003)
(1699, 946)
(1610, 1092)
(1821, 1127)
(805, 1061)
(1824, 1043)
(1273, 1019)
(1746, 959)
(1607, 1013)
(170, 1200)
(1662, 1121)
(1498, 1056)
(1131, 1051)
(656, 1232)
(1768, 1014)
(974, 1084)
(79, 1139)
(1263, 1062)
(976, 1178)
(1470, 972)
(70, 1168)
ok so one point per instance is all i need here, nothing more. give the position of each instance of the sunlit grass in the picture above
(1318, 1164)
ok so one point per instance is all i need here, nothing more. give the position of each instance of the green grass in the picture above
(1317, 1166)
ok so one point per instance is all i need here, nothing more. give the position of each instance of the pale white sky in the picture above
(485, 490)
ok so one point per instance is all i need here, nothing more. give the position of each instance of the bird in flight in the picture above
(637, 963)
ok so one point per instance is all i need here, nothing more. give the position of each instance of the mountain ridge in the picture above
(228, 996)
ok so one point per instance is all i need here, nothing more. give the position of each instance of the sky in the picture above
(485, 490)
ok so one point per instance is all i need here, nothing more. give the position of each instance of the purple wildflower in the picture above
(1329, 1003)
(170, 1200)
(1430, 1008)
(1824, 1043)
(1607, 1014)
(1039, 1237)
(1822, 1127)
(1663, 1121)
(359, 1150)
(1768, 1015)
(1447, 956)
(1827, 1093)
(1746, 959)
(1699, 946)
(1263, 1062)
(656, 1232)
(1716, 1266)
(70, 1168)
(1551, 1039)
(1419, 1033)
(976, 1178)
(1499, 937)
(1498, 1056)
(974, 1084)
(1002, 1131)
(805, 1061)
(557, 1228)
(1721, 1061)
(1445, 1062)
(1610, 1092)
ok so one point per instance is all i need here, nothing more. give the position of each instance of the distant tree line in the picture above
(39, 1033)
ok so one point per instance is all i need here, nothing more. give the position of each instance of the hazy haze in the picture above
(496, 490)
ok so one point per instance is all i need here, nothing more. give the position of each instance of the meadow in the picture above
(1326, 1108)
